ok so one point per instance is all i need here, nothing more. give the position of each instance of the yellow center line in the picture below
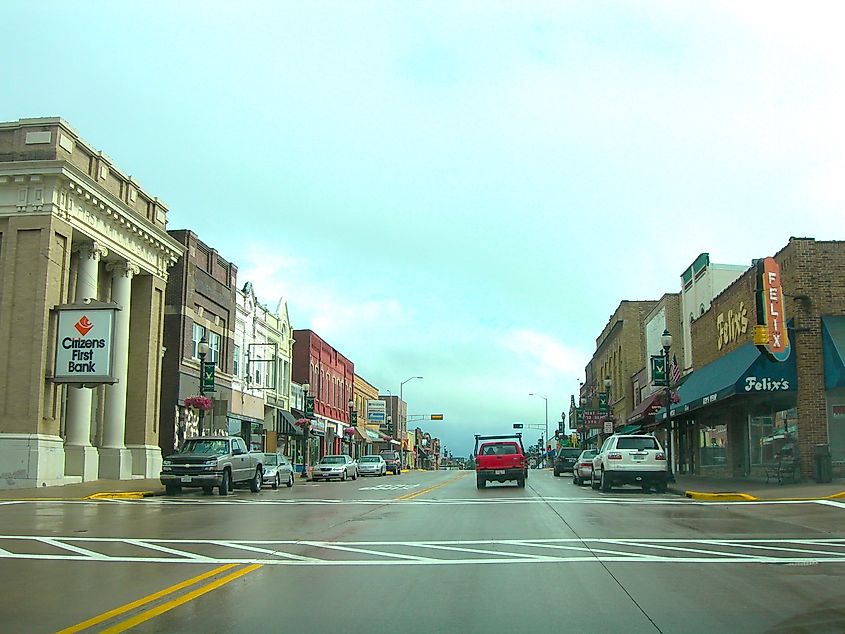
(105, 616)
(411, 496)
(188, 596)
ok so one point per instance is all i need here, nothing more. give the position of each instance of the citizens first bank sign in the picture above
(84, 344)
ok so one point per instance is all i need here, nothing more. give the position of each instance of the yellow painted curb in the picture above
(120, 495)
(720, 497)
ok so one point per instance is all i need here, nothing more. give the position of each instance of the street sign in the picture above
(608, 427)
(658, 370)
(603, 397)
(594, 419)
(376, 411)
(208, 376)
(518, 425)
(437, 417)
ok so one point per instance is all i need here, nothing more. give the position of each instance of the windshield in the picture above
(390, 455)
(271, 459)
(369, 459)
(333, 460)
(569, 453)
(588, 454)
(210, 447)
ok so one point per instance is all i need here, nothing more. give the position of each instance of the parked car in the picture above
(372, 465)
(335, 467)
(277, 469)
(565, 459)
(625, 459)
(499, 459)
(212, 461)
(583, 467)
(393, 460)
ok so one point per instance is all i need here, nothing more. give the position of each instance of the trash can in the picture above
(823, 464)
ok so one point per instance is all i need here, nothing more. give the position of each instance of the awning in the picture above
(373, 436)
(361, 436)
(647, 407)
(833, 347)
(630, 429)
(745, 371)
(287, 426)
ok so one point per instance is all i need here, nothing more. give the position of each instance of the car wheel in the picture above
(290, 480)
(480, 483)
(646, 488)
(594, 484)
(605, 482)
(575, 479)
(255, 483)
(208, 490)
(225, 483)
(172, 489)
(662, 487)
(343, 476)
(276, 481)
(520, 483)
(355, 474)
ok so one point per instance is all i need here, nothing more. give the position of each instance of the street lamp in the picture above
(306, 431)
(351, 405)
(547, 416)
(402, 384)
(608, 384)
(202, 353)
(666, 342)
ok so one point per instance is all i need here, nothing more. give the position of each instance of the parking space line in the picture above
(105, 616)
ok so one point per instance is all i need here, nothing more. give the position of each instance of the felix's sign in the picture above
(770, 335)
(85, 335)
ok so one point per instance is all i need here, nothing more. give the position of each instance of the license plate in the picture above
(499, 472)
(186, 478)
(639, 457)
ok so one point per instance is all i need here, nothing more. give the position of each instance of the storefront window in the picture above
(714, 446)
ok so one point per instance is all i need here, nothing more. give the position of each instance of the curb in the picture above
(122, 495)
(745, 497)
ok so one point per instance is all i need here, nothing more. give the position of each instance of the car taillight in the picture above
(586, 464)
(660, 456)
(614, 456)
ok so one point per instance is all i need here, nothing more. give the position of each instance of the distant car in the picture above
(277, 469)
(583, 467)
(625, 459)
(565, 459)
(372, 465)
(335, 467)
(394, 462)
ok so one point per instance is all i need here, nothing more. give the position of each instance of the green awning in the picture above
(630, 429)
(745, 371)
(833, 347)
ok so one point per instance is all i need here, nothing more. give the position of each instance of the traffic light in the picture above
(437, 417)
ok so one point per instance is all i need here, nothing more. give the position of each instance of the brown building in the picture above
(75, 229)
(741, 407)
(200, 305)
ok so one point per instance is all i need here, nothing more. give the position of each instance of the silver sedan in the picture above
(335, 467)
(583, 468)
(372, 465)
(277, 470)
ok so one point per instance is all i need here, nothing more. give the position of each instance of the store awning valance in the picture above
(630, 429)
(647, 407)
(287, 426)
(745, 371)
(833, 346)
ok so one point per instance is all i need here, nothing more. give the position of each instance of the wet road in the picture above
(422, 552)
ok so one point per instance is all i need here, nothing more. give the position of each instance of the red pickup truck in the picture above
(499, 459)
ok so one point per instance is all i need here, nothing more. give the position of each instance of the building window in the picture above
(236, 362)
(214, 348)
(271, 373)
(701, 309)
(196, 335)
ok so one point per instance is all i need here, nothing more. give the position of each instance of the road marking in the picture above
(189, 596)
(105, 616)
(390, 487)
(411, 496)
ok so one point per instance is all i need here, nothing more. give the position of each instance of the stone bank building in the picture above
(74, 227)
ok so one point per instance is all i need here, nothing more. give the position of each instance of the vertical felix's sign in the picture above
(85, 334)
(770, 335)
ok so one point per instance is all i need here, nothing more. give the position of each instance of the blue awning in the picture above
(745, 371)
(833, 346)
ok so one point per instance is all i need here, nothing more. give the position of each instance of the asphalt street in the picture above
(422, 552)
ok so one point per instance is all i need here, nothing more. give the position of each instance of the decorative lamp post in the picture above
(351, 433)
(306, 430)
(202, 352)
(666, 342)
(546, 437)
(608, 384)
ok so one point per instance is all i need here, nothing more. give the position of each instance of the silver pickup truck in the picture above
(212, 461)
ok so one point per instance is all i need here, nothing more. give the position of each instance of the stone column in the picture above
(80, 455)
(115, 458)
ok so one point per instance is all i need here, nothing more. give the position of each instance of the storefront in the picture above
(249, 428)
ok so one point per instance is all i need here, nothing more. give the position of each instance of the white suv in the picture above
(622, 459)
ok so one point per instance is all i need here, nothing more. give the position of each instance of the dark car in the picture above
(394, 463)
(565, 459)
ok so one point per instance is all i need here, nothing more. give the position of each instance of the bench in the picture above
(783, 467)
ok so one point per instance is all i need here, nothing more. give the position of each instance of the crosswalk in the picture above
(425, 552)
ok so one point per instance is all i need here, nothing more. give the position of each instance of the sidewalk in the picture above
(735, 489)
(102, 489)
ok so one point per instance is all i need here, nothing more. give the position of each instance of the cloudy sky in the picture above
(458, 190)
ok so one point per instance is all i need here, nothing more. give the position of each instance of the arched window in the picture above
(701, 312)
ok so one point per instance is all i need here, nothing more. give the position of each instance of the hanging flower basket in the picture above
(349, 431)
(198, 402)
(302, 423)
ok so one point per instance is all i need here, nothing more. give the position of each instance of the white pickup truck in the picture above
(624, 459)
(212, 461)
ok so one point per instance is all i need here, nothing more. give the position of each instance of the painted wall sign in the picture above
(731, 325)
(84, 339)
(770, 335)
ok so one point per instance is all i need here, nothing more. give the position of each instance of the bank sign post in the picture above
(84, 344)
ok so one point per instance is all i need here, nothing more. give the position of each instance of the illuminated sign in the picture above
(770, 334)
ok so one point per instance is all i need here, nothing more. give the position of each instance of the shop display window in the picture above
(714, 446)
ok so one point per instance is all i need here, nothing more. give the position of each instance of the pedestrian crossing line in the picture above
(390, 487)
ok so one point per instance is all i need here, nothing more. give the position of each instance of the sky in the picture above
(462, 191)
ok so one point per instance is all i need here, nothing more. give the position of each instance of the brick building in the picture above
(330, 376)
(75, 228)
(739, 408)
(200, 304)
